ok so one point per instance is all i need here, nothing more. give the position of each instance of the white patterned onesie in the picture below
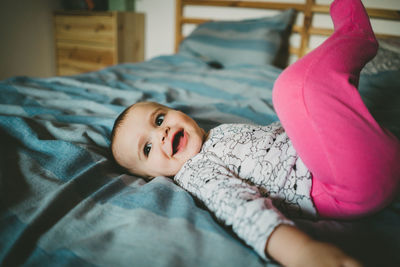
(247, 175)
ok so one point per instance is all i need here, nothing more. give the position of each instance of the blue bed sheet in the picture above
(63, 201)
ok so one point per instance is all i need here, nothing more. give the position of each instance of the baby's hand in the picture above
(292, 247)
(315, 253)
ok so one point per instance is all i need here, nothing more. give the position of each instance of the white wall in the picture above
(160, 21)
(27, 43)
(160, 26)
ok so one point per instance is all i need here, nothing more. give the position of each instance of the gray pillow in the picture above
(254, 41)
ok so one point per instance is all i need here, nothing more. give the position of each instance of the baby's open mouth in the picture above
(178, 141)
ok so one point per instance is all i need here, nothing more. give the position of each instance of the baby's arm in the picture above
(234, 202)
(291, 247)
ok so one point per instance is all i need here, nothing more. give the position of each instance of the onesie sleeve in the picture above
(233, 201)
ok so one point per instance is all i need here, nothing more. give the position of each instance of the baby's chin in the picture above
(177, 163)
(167, 173)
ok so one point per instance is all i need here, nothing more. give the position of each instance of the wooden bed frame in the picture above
(309, 8)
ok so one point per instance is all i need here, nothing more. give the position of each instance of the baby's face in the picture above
(155, 140)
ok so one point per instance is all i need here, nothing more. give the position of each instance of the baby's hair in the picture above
(117, 123)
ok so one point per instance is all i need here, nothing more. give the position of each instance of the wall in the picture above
(27, 45)
(160, 21)
(160, 26)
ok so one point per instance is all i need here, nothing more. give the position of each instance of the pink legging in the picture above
(355, 163)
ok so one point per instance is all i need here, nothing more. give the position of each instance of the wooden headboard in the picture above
(309, 8)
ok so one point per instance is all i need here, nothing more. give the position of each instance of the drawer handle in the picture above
(99, 59)
(99, 27)
(67, 27)
(72, 53)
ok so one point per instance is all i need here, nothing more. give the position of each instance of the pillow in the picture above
(254, 41)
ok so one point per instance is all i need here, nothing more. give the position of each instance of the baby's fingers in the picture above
(350, 262)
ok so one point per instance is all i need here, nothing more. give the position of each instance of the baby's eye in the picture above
(146, 149)
(159, 119)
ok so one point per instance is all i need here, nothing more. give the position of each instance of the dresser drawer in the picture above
(89, 41)
(79, 58)
(90, 28)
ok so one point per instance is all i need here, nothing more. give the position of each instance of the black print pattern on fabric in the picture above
(247, 175)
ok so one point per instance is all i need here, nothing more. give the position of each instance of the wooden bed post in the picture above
(305, 33)
(178, 24)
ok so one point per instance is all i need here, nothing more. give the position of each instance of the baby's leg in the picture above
(354, 162)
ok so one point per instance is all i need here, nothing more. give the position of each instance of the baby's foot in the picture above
(350, 15)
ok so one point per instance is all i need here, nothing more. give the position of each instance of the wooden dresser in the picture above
(89, 41)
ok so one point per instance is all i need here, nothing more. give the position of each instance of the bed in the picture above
(64, 202)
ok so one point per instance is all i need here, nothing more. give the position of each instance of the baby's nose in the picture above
(164, 133)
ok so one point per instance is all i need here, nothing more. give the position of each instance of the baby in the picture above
(326, 158)
(148, 134)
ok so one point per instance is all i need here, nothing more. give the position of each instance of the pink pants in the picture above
(355, 163)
